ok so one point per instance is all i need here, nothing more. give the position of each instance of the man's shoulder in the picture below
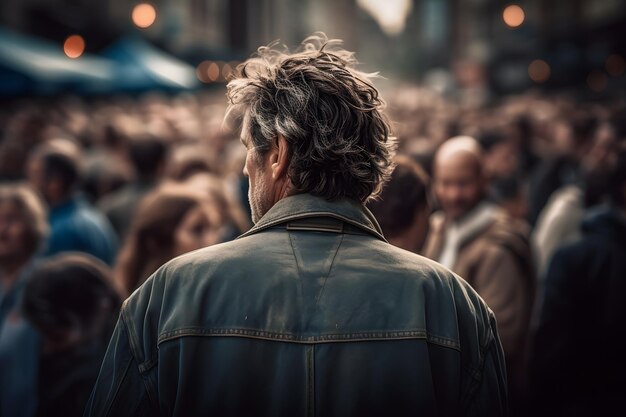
(505, 234)
(260, 271)
(239, 252)
(269, 250)
(254, 252)
(437, 221)
(116, 200)
(265, 253)
(193, 268)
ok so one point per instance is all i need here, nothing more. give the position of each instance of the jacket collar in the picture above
(302, 206)
(606, 221)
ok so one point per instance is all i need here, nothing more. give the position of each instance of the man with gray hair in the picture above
(311, 312)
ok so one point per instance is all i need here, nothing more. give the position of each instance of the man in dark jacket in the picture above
(311, 312)
(148, 154)
(54, 169)
(577, 363)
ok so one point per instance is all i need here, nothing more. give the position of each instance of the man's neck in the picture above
(284, 190)
(61, 200)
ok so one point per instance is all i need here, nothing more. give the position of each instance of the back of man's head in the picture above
(489, 139)
(148, 154)
(583, 125)
(60, 161)
(329, 113)
(71, 296)
(404, 197)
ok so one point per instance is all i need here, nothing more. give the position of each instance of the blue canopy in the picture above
(33, 66)
(146, 67)
(30, 65)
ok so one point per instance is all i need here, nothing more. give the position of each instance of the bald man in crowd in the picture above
(484, 245)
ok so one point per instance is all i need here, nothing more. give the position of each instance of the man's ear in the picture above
(280, 158)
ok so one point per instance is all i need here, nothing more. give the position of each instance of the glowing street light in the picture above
(74, 46)
(513, 16)
(143, 15)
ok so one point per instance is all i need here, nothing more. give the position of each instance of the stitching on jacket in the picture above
(477, 372)
(132, 335)
(119, 383)
(324, 338)
(310, 381)
(135, 346)
(332, 263)
(295, 255)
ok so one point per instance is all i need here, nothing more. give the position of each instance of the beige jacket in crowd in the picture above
(496, 261)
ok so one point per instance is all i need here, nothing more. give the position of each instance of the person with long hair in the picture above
(170, 221)
(23, 231)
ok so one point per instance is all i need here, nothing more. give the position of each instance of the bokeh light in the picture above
(615, 65)
(74, 46)
(539, 71)
(227, 71)
(513, 16)
(202, 71)
(597, 81)
(213, 71)
(208, 71)
(144, 15)
(390, 15)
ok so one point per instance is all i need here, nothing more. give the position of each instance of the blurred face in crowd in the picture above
(562, 138)
(50, 189)
(201, 226)
(13, 232)
(459, 183)
(501, 160)
(259, 176)
(603, 151)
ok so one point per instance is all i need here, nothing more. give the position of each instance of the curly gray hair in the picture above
(329, 113)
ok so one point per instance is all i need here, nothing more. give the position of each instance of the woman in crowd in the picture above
(23, 229)
(172, 220)
(234, 219)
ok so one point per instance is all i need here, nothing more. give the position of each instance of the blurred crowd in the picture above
(524, 198)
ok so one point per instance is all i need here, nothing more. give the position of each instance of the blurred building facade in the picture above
(465, 41)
